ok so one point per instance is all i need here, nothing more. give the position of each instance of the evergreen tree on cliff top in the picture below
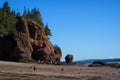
(7, 18)
(47, 30)
(34, 14)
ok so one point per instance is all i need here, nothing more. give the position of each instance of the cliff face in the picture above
(28, 42)
(24, 48)
(42, 47)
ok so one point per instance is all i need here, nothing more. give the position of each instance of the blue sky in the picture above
(88, 29)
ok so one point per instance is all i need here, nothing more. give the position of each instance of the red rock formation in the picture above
(39, 41)
(30, 42)
(24, 48)
(69, 58)
(57, 55)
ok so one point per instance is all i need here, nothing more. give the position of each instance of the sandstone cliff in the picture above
(28, 42)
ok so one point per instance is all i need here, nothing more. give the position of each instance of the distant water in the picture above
(87, 62)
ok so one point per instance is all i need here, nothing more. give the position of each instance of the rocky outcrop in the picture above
(57, 55)
(42, 47)
(28, 42)
(69, 58)
(24, 48)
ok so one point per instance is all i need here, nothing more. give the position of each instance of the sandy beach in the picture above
(26, 71)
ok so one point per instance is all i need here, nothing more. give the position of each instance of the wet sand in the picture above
(34, 71)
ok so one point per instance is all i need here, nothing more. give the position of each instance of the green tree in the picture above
(2, 28)
(6, 7)
(34, 14)
(57, 48)
(7, 18)
(47, 30)
(25, 12)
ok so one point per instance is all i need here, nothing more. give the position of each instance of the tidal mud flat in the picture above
(34, 71)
